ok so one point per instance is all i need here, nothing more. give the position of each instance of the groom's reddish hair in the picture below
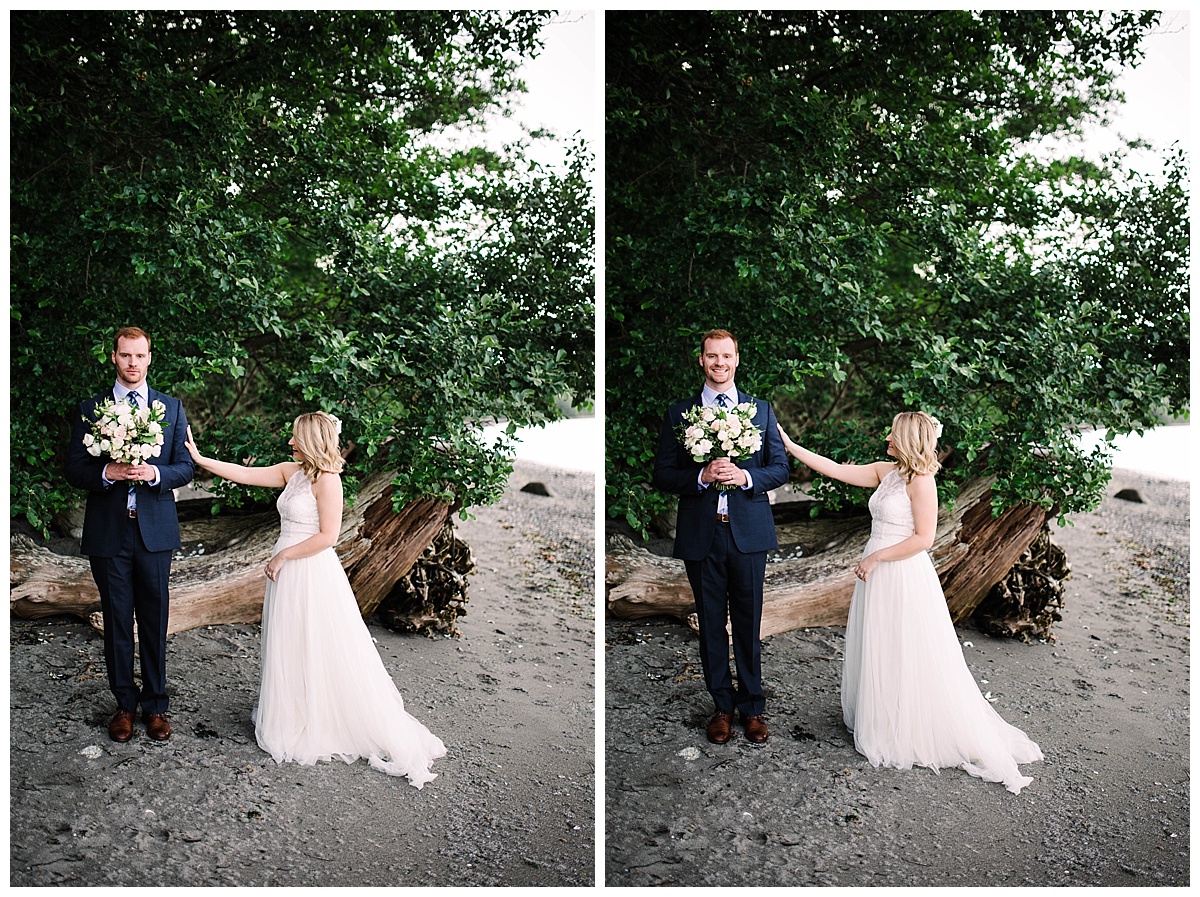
(130, 333)
(717, 334)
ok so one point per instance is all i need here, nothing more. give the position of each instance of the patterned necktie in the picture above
(132, 399)
(722, 401)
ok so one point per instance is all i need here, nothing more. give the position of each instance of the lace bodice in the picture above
(298, 508)
(891, 510)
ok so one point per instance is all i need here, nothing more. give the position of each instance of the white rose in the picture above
(94, 450)
(153, 428)
(707, 414)
(158, 406)
(703, 447)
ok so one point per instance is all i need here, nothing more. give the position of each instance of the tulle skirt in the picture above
(325, 693)
(907, 694)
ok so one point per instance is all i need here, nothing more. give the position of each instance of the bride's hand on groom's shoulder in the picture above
(787, 440)
(190, 445)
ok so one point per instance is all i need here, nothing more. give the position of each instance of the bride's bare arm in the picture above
(273, 477)
(922, 493)
(868, 475)
(328, 492)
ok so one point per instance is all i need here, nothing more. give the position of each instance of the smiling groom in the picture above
(723, 537)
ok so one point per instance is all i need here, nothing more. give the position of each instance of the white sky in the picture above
(562, 79)
(1157, 93)
(562, 84)
(564, 90)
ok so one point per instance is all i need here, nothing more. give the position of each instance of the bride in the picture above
(907, 694)
(324, 691)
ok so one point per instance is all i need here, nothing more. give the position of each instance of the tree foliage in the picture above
(297, 207)
(861, 198)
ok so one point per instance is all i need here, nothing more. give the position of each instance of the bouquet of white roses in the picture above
(711, 432)
(127, 434)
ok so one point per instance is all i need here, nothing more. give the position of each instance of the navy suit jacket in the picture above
(106, 505)
(750, 517)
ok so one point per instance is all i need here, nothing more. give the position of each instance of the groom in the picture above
(130, 530)
(723, 538)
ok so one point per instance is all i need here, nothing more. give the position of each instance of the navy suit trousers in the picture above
(728, 584)
(135, 580)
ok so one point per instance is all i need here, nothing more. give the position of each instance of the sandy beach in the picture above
(513, 699)
(1108, 702)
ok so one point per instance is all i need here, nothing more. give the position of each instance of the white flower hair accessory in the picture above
(937, 426)
(337, 423)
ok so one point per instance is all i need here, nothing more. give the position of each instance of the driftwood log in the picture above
(219, 577)
(432, 595)
(810, 580)
(1028, 602)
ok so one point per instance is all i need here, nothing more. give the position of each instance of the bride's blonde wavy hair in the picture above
(316, 435)
(914, 439)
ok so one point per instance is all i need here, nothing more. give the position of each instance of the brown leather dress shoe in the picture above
(720, 727)
(756, 729)
(120, 727)
(157, 726)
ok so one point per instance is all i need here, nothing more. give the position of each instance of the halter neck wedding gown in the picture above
(907, 694)
(325, 692)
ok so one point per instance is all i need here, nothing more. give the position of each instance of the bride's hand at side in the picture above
(865, 566)
(274, 565)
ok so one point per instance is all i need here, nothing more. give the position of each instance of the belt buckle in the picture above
(723, 518)
(131, 513)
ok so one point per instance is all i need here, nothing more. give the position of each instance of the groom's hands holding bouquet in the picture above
(141, 473)
(723, 472)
